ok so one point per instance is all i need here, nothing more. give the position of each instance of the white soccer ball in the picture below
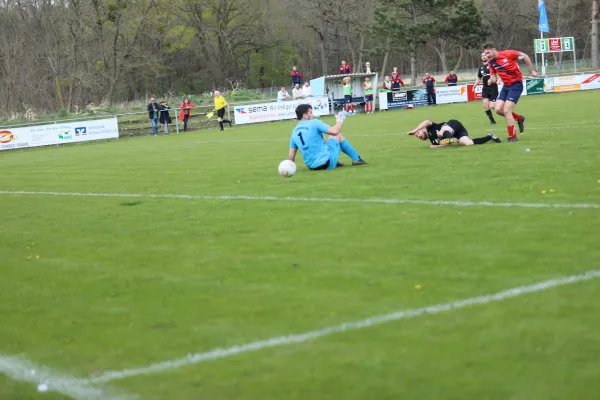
(287, 168)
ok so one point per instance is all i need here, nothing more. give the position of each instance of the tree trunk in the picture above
(385, 58)
(361, 49)
(323, 54)
(595, 59)
(460, 58)
(413, 68)
(441, 52)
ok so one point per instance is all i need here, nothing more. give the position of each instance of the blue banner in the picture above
(543, 26)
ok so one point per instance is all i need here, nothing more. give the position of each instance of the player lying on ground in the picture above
(448, 133)
(320, 153)
(505, 64)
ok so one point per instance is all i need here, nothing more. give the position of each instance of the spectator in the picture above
(368, 88)
(368, 69)
(297, 92)
(396, 80)
(220, 104)
(429, 83)
(296, 75)
(306, 90)
(283, 95)
(165, 118)
(452, 79)
(184, 114)
(387, 84)
(345, 69)
(153, 113)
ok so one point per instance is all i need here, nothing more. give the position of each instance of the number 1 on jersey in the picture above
(302, 140)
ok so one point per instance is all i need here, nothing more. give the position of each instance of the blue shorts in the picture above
(348, 98)
(368, 97)
(334, 152)
(511, 93)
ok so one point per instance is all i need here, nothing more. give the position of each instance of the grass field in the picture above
(98, 283)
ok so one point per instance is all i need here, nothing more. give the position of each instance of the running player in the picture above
(505, 63)
(220, 104)
(447, 133)
(318, 153)
(489, 91)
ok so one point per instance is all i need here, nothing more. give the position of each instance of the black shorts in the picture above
(221, 112)
(458, 128)
(490, 92)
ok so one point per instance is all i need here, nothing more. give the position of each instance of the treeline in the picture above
(66, 54)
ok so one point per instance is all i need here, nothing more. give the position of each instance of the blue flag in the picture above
(543, 27)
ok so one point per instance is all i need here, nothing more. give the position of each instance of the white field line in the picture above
(309, 199)
(218, 353)
(25, 371)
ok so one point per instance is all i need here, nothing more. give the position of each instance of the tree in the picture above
(595, 14)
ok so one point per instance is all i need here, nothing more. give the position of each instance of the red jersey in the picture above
(345, 69)
(507, 67)
(397, 79)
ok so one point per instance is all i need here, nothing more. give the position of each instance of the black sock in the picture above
(482, 140)
(490, 116)
(221, 124)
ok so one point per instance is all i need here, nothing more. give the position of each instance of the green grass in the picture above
(126, 282)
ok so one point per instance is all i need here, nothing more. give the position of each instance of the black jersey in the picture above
(432, 132)
(484, 73)
(458, 129)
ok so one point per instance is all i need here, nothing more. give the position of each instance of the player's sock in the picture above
(512, 132)
(349, 150)
(347, 108)
(490, 115)
(352, 107)
(517, 117)
(221, 125)
(482, 140)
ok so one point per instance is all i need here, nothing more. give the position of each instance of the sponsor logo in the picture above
(65, 136)
(81, 131)
(463, 90)
(399, 96)
(240, 110)
(7, 137)
(592, 79)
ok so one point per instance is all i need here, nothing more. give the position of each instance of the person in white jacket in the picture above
(306, 90)
(297, 92)
(283, 94)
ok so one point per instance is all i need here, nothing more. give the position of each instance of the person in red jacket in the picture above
(451, 79)
(345, 69)
(296, 76)
(396, 80)
(184, 114)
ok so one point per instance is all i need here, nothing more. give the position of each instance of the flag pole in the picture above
(543, 60)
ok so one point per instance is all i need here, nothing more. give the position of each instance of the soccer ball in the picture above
(287, 168)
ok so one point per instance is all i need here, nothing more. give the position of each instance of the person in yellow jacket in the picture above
(220, 104)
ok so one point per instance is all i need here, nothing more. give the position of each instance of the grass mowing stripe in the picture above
(218, 353)
(309, 199)
(25, 371)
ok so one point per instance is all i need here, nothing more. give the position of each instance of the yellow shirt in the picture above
(220, 102)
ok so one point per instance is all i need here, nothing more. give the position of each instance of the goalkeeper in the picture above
(448, 133)
(318, 152)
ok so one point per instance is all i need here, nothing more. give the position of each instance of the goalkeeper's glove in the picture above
(340, 117)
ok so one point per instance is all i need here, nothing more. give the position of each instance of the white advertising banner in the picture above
(574, 83)
(59, 133)
(591, 82)
(451, 94)
(277, 111)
